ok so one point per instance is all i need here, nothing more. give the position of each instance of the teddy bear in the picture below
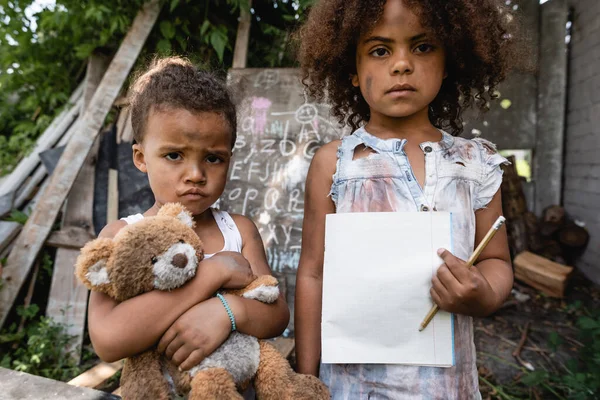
(163, 252)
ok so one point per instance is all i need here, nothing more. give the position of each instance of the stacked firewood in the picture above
(541, 247)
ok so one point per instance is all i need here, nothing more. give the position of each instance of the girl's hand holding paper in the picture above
(459, 289)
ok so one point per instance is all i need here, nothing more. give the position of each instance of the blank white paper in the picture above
(376, 281)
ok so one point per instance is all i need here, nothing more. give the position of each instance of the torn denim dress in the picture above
(461, 176)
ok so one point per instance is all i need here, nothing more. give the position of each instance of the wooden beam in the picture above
(21, 386)
(240, 51)
(38, 227)
(67, 302)
(70, 237)
(8, 231)
(50, 136)
(97, 375)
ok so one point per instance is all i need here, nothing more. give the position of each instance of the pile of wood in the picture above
(54, 185)
(541, 247)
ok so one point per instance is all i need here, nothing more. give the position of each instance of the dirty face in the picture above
(400, 65)
(186, 156)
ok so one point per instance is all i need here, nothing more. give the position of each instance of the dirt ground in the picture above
(549, 342)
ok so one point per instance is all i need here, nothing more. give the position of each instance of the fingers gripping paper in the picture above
(376, 281)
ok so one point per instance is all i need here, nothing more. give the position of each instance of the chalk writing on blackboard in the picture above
(279, 131)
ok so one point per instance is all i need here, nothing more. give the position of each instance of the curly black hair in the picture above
(479, 36)
(174, 82)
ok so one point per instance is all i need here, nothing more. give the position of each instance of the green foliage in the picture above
(17, 216)
(37, 348)
(579, 378)
(41, 65)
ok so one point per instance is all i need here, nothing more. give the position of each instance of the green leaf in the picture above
(204, 27)
(218, 42)
(534, 378)
(588, 323)
(167, 29)
(174, 4)
(163, 46)
(182, 42)
(555, 340)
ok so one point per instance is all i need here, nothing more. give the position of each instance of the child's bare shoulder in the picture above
(110, 230)
(244, 224)
(326, 156)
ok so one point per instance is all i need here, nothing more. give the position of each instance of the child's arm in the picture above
(119, 330)
(309, 279)
(481, 290)
(199, 331)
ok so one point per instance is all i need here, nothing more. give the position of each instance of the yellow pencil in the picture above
(499, 222)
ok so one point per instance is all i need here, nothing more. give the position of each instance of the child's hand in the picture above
(198, 333)
(458, 289)
(235, 269)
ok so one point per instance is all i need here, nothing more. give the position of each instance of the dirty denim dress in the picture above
(461, 176)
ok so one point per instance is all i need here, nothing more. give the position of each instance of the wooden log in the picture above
(97, 375)
(21, 386)
(40, 223)
(541, 273)
(67, 302)
(554, 214)
(573, 236)
(240, 51)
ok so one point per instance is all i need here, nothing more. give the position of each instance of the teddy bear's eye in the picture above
(154, 260)
(181, 241)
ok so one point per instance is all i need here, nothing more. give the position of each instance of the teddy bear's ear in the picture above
(91, 265)
(178, 211)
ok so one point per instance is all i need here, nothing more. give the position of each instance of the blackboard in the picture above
(279, 130)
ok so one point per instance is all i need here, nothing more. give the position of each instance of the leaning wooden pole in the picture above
(39, 224)
(240, 51)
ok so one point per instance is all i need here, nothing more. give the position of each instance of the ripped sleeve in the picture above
(492, 174)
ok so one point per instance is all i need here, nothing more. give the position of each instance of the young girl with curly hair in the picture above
(401, 73)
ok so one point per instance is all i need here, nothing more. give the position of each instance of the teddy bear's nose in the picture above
(180, 260)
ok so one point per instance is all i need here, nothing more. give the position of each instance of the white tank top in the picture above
(230, 231)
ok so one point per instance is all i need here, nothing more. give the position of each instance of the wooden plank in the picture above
(284, 345)
(70, 237)
(28, 189)
(28, 296)
(67, 302)
(240, 51)
(8, 231)
(541, 273)
(97, 375)
(126, 136)
(6, 203)
(112, 206)
(38, 227)
(48, 139)
(21, 386)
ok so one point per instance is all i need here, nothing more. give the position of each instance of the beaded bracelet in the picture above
(228, 309)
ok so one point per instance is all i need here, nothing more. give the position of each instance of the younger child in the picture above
(399, 72)
(184, 125)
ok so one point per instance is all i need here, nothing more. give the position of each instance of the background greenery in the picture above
(42, 62)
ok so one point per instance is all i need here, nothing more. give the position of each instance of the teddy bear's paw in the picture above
(264, 294)
(214, 384)
(307, 387)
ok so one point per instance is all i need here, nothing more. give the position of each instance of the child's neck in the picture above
(415, 127)
(201, 218)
